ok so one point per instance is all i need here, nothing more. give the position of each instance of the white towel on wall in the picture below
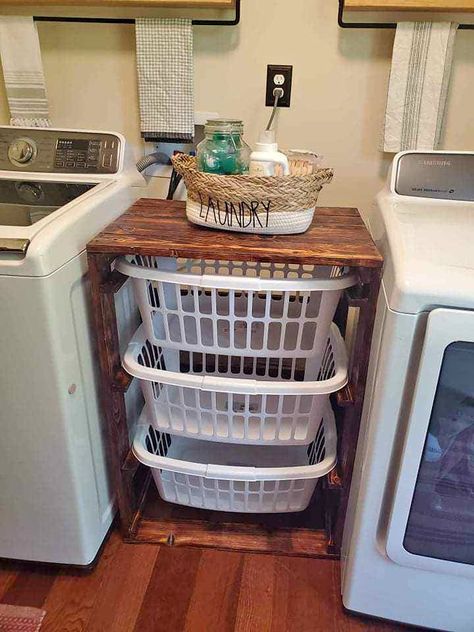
(165, 78)
(23, 72)
(419, 80)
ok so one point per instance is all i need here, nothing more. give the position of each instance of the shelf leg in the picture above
(113, 400)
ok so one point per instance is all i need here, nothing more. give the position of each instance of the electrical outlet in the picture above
(279, 77)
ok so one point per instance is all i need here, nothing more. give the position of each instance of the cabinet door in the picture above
(432, 518)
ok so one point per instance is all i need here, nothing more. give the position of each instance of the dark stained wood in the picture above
(147, 588)
(112, 398)
(299, 533)
(338, 236)
(157, 227)
(115, 280)
(236, 537)
(348, 430)
(122, 381)
(345, 396)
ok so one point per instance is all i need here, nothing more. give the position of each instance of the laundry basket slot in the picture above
(232, 308)
(229, 477)
(223, 401)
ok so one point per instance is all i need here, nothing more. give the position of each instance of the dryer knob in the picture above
(22, 151)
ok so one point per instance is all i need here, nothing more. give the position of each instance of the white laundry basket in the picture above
(222, 398)
(231, 308)
(229, 477)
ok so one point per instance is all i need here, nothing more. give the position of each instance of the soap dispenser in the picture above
(266, 157)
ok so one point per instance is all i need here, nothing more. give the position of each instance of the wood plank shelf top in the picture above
(337, 236)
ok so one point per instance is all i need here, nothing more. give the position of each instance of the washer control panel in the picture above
(53, 151)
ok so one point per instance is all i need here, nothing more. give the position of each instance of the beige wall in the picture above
(339, 88)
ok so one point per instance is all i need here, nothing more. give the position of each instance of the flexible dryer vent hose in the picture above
(157, 158)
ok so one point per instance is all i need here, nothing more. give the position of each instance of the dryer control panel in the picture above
(57, 151)
(435, 175)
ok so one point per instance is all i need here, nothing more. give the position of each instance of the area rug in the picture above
(20, 619)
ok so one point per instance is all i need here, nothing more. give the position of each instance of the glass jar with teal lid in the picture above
(223, 151)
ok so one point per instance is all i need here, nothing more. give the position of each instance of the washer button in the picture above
(107, 161)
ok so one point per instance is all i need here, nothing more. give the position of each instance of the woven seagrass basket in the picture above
(251, 204)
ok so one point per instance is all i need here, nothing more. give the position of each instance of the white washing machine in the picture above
(408, 551)
(58, 189)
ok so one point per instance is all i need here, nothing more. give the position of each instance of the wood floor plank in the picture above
(123, 589)
(146, 588)
(169, 591)
(7, 577)
(255, 609)
(313, 605)
(71, 601)
(213, 605)
(30, 587)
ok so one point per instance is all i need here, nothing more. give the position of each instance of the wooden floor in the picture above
(148, 588)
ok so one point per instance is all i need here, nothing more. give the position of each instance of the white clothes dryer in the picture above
(408, 550)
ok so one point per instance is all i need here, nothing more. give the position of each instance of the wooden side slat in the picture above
(345, 397)
(115, 281)
(122, 381)
(348, 431)
(113, 402)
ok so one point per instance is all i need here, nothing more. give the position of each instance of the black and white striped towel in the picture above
(23, 72)
(165, 78)
(419, 80)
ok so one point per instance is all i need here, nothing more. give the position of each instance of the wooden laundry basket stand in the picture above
(337, 236)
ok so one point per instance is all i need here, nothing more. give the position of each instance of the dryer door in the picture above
(432, 518)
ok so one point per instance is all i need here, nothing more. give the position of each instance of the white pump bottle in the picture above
(266, 157)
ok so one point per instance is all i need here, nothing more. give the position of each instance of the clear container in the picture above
(223, 151)
(303, 162)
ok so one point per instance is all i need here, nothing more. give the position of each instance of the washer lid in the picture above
(26, 205)
(428, 246)
(25, 202)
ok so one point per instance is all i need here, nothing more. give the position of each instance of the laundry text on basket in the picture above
(241, 214)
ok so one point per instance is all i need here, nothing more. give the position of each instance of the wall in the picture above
(339, 90)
